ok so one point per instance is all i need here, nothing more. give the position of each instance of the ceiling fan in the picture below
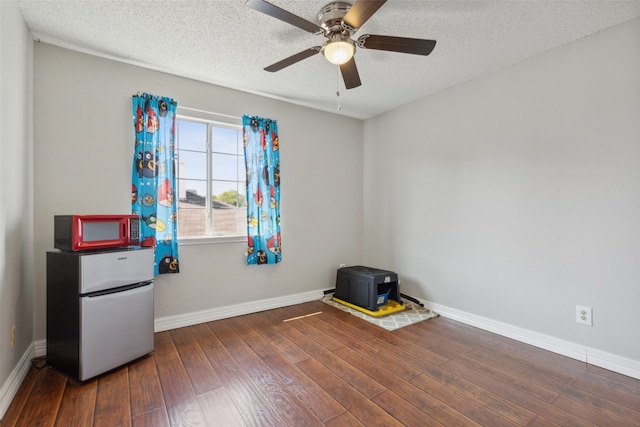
(338, 22)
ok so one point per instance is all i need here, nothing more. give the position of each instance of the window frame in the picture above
(211, 120)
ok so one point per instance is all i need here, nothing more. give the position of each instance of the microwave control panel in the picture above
(134, 232)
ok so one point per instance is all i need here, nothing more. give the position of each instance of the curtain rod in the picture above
(209, 112)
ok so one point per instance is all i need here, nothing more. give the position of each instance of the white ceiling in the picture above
(226, 43)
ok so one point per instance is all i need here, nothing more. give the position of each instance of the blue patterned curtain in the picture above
(153, 178)
(262, 158)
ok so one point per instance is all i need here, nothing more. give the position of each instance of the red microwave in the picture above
(87, 232)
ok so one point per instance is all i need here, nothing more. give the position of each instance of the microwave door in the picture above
(97, 231)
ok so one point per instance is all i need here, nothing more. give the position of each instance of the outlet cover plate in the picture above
(584, 315)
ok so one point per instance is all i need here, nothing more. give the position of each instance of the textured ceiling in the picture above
(226, 43)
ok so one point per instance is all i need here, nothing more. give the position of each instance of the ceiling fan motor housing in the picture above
(330, 18)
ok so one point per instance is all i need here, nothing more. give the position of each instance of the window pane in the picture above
(229, 193)
(225, 140)
(226, 218)
(192, 222)
(229, 221)
(225, 166)
(242, 170)
(192, 165)
(192, 136)
(192, 193)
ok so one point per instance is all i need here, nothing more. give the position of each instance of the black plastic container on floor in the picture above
(362, 286)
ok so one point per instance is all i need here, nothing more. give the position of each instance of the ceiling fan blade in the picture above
(396, 44)
(284, 15)
(293, 59)
(361, 11)
(350, 74)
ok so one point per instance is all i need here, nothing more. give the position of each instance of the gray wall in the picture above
(517, 196)
(16, 188)
(83, 138)
(514, 196)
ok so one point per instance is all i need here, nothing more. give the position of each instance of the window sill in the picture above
(188, 241)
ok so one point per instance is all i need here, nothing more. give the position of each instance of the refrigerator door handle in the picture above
(117, 290)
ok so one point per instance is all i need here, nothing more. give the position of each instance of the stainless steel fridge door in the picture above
(106, 270)
(116, 328)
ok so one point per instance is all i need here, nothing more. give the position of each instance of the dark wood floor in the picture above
(336, 370)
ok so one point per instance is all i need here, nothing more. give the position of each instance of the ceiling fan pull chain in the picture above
(338, 86)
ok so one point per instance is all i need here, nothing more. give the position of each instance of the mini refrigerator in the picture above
(99, 309)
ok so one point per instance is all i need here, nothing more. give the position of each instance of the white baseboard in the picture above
(12, 384)
(612, 362)
(41, 348)
(182, 320)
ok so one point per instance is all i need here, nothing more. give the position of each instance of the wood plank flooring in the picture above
(332, 369)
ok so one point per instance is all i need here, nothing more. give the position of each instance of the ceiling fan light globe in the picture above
(338, 52)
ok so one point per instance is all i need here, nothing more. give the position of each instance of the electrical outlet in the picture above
(343, 265)
(583, 315)
(13, 337)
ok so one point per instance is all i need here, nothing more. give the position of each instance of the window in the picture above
(211, 179)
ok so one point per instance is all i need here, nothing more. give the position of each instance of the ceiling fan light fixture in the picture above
(339, 51)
